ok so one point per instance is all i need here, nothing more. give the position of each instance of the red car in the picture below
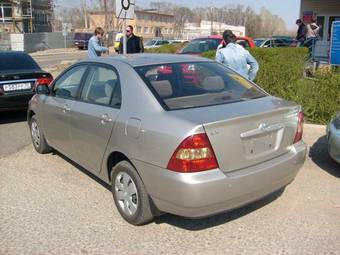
(203, 44)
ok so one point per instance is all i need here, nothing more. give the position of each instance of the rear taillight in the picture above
(194, 154)
(299, 130)
(43, 81)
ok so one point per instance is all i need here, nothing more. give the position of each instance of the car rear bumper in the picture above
(12, 102)
(202, 194)
(333, 136)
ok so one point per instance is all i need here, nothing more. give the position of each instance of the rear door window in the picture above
(102, 87)
(190, 85)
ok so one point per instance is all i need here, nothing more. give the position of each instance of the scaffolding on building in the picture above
(22, 18)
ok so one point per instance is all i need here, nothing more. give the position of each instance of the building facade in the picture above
(147, 24)
(325, 11)
(205, 28)
(26, 16)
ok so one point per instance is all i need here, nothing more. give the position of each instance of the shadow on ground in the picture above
(13, 116)
(219, 219)
(319, 155)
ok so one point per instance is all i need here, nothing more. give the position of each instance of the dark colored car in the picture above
(204, 44)
(81, 40)
(19, 76)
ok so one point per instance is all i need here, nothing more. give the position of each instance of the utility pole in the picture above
(85, 13)
(105, 11)
(211, 18)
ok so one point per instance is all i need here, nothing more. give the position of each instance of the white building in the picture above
(326, 12)
(194, 30)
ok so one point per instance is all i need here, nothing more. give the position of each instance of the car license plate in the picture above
(17, 86)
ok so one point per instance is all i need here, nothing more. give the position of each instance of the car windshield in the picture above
(199, 84)
(258, 42)
(17, 61)
(150, 43)
(201, 45)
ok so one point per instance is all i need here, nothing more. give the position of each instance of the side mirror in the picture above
(42, 89)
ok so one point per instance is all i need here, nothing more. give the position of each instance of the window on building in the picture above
(146, 30)
(5, 11)
(139, 29)
(320, 21)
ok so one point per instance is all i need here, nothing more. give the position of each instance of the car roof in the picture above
(12, 53)
(146, 59)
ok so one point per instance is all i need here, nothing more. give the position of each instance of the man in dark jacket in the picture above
(301, 32)
(134, 44)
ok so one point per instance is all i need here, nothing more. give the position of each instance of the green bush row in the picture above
(282, 74)
(170, 48)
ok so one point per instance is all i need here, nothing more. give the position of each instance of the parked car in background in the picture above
(204, 44)
(19, 76)
(333, 137)
(155, 43)
(175, 41)
(271, 43)
(81, 40)
(219, 141)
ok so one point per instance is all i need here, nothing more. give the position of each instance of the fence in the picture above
(32, 42)
(5, 41)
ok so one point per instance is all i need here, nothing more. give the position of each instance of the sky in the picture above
(287, 9)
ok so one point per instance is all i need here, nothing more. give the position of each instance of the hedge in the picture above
(282, 74)
(170, 48)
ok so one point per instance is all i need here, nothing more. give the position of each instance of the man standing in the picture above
(94, 47)
(301, 32)
(134, 44)
(236, 57)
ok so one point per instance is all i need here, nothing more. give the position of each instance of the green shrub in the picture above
(320, 97)
(170, 48)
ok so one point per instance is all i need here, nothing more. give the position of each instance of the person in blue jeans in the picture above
(95, 49)
(236, 57)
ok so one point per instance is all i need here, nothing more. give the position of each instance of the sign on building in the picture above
(125, 9)
(335, 44)
(308, 17)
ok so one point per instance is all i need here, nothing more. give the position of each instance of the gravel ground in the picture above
(50, 206)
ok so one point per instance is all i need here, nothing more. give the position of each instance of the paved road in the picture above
(50, 60)
(51, 206)
(14, 134)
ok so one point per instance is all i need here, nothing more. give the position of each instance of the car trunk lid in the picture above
(248, 133)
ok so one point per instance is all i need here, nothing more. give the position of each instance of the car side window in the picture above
(102, 87)
(68, 84)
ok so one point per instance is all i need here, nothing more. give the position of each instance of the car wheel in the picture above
(129, 194)
(38, 138)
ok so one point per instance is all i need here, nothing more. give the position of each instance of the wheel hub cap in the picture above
(126, 193)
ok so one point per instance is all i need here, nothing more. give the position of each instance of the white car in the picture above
(155, 43)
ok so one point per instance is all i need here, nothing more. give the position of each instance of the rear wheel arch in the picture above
(30, 114)
(114, 158)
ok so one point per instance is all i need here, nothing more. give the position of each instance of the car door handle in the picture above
(105, 118)
(66, 108)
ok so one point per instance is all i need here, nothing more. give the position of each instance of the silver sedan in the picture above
(333, 135)
(176, 134)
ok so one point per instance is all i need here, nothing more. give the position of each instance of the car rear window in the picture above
(18, 61)
(199, 84)
(201, 45)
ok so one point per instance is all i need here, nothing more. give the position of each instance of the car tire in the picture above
(38, 138)
(129, 194)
